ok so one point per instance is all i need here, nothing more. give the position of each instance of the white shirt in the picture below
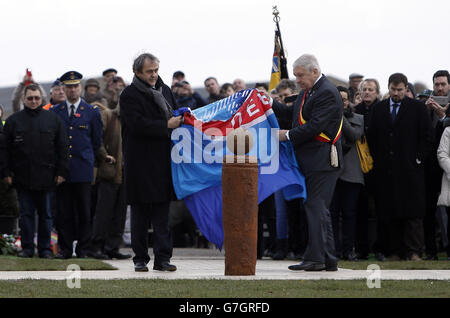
(76, 106)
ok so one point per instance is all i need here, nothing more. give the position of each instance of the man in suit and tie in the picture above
(317, 121)
(400, 139)
(83, 125)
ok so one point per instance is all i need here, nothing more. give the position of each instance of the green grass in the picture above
(362, 265)
(13, 263)
(158, 288)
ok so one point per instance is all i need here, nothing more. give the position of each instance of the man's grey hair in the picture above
(307, 61)
(138, 64)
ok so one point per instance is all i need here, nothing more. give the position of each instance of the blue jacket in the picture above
(84, 133)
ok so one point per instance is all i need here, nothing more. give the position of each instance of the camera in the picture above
(115, 79)
(441, 100)
(290, 99)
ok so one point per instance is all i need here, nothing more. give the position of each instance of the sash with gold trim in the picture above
(322, 137)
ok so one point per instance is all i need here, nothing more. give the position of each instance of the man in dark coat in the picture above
(36, 161)
(317, 122)
(400, 139)
(146, 116)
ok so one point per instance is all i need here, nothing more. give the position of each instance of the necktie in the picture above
(72, 111)
(394, 111)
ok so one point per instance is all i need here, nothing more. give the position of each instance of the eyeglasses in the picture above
(30, 98)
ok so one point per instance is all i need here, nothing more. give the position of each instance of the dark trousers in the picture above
(366, 208)
(298, 227)
(429, 221)
(319, 189)
(109, 218)
(406, 236)
(158, 214)
(29, 202)
(344, 207)
(73, 221)
(266, 215)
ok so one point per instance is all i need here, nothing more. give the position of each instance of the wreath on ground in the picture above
(8, 244)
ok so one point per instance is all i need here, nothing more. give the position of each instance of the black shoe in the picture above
(118, 255)
(431, 257)
(350, 257)
(332, 267)
(380, 257)
(140, 267)
(98, 255)
(82, 256)
(308, 266)
(24, 254)
(294, 256)
(165, 267)
(63, 256)
(46, 255)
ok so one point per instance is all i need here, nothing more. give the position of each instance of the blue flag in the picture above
(199, 146)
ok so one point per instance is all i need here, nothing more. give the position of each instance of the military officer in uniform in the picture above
(84, 130)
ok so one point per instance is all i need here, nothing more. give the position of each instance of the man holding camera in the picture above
(438, 108)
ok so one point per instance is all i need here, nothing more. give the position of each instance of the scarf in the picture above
(155, 94)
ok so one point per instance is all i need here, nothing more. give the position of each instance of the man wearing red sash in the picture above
(317, 122)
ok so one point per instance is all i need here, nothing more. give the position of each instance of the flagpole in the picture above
(283, 60)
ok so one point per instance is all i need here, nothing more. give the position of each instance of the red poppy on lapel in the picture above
(77, 115)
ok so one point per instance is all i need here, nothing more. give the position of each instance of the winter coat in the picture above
(37, 149)
(146, 146)
(352, 130)
(111, 145)
(443, 156)
(399, 150)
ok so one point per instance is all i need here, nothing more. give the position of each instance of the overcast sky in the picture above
(223, 38)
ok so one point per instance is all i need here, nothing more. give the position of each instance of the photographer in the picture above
(186, 97)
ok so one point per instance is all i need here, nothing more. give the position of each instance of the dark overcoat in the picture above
(399, 150)
(146, 146)
(322, 111)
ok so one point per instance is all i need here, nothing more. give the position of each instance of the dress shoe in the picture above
(140, 267)
(294, 256)
(308, 266)
(431, 257)
(165, 267)
(331, 267)
(63, 256)
(380, 257)
(24, 254)
(118, 255)
(46, 255)
(350, 257)
(82, 256)
(98, 255)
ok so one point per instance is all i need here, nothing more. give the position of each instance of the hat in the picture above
(355, 75)
(177, 74)
(109, 70)
(425, 93)
(92, 82)
(56, 83)
(71, 78)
